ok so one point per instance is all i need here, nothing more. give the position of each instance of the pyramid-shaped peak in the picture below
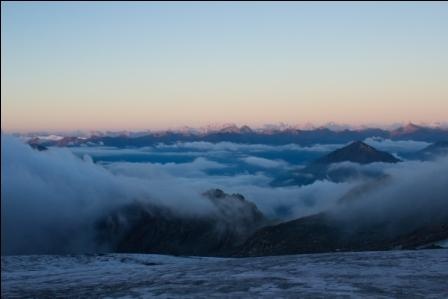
(358, 152)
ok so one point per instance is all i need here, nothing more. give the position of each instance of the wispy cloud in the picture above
(230, 146)
(265, 163)
(399, 146)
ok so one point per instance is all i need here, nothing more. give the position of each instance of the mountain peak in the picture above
(358, 152)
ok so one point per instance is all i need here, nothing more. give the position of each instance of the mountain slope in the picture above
(324, 233)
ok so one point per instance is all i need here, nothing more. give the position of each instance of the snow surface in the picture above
(392, 274)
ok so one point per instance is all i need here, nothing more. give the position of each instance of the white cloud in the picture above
(230, 146)
(265, 163)
(164, 170)
(52, 194)
(397, 146)
(413, 193)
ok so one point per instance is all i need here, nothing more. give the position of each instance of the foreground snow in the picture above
(406, 274)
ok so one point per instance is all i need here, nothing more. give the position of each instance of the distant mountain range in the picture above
(245, 134)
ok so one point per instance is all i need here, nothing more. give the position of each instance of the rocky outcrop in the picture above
(144, 228)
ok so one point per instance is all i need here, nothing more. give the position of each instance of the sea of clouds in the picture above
(51, 199)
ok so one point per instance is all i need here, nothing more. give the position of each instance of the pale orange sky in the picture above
(153, 66)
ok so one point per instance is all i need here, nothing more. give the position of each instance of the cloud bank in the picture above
(53, 195)
(264, 163)
(409, 195)
(396, 146)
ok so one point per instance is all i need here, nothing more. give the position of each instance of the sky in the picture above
(116, 65)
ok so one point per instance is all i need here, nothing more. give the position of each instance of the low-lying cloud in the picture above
(396, 146)
(264, 163)
(52, 195)
(196, 168)
(409, 195)
(231, 146)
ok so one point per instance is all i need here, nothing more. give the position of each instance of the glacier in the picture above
(388, 274)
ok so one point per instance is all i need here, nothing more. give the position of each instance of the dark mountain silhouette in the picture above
(320, 169)
(321, 233)
(357, 152)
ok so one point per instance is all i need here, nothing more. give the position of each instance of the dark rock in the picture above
(144, 228)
